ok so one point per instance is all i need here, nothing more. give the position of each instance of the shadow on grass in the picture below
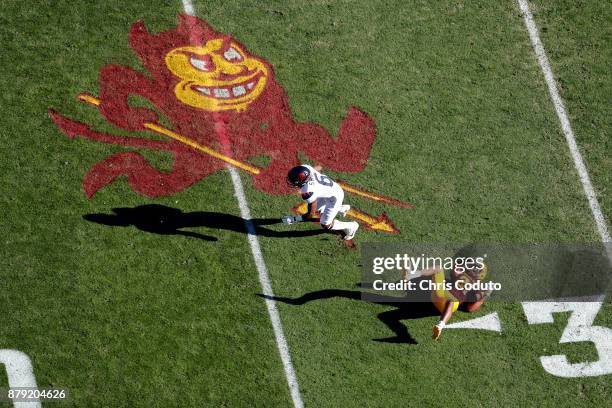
(163, 220)
(391, 318)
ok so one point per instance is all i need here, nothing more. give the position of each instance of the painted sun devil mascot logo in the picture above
(202, 80)
(224, 106)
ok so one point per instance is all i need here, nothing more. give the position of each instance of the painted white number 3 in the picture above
(579, 328)
(20, 374)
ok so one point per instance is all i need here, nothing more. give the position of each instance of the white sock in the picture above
(441, 324)
(341, 225)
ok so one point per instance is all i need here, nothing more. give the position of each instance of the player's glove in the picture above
(292, 219)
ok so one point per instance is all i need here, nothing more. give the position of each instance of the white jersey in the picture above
(321, 188)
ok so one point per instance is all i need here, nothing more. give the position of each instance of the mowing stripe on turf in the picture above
(565, 125)
(260, 264)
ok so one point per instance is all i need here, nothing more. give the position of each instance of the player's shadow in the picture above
(403, 310)
(163, 220)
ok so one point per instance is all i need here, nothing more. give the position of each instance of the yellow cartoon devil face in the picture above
(217, 76)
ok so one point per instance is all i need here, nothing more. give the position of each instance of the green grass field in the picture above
(466, 130)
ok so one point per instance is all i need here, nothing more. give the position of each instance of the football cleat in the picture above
(344, 209)
(351, 231)
(298, 176)
(437, 331)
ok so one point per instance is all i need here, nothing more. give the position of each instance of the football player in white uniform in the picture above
(323, 195)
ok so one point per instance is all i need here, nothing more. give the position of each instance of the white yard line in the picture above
(262, 270)
(188, 7)
(565, 125)
(264, 280)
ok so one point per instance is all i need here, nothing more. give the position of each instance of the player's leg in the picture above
(329, 221)
(347, 229)
(343, 209)
(449, 308)
(444, 302)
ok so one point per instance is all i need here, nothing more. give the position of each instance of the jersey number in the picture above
(323, 180)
